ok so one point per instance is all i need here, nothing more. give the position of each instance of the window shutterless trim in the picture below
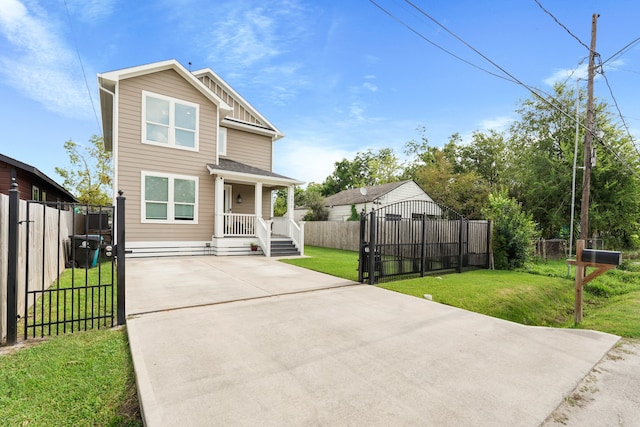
(171, 143)
(171, 203)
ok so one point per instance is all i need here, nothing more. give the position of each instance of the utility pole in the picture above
(586, 177)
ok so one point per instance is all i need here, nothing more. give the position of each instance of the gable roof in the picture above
(354, 196)
(232, 169)
(35, 171)
(107, 85)
(244, 115)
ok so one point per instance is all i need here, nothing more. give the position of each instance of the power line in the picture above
(416, 32)
(84, 74)
(622, 51)
(552, 102)
(562, 25)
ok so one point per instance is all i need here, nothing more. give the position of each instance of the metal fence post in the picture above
(120, 257)
(12, 264)
(423, 248)
(361, 265)
(489, 244)
(460, 234)
(372, 248)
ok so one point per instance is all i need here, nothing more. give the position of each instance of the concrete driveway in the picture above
(251, 341)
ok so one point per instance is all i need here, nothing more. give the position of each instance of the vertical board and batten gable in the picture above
(134, 156)
(239, 112)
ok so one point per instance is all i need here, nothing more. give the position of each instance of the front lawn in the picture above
(541, 294)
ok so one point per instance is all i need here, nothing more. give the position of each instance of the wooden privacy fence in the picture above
(44, 247)
(333, 234)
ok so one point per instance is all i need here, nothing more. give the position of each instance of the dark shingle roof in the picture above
(233, 166)
(353, 196)
(35, 171)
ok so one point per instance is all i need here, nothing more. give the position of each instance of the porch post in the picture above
(291, 191)
(258, 203)
(218, 228)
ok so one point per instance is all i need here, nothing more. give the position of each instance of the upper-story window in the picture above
(169, 121)
(222, 141)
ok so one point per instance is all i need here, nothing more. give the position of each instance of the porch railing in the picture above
(263, 233)
(239, 225)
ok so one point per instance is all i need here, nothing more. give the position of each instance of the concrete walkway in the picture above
(301, 348)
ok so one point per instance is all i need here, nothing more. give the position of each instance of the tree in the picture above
(89, 175)
(433, 169)
(367, 168)
(317, 210)
(541, 147)
(513, 231)
(280, 203)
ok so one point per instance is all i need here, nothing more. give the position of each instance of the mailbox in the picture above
(601, 257)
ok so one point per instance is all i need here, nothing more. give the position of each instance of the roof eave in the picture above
(244, 176)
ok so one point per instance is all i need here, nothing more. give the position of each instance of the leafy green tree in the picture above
(89, 175)
(280, 203)
(541, 155)
(432, 168)
(317, 210)
(485, 156)
(513, 231)
(367, 168)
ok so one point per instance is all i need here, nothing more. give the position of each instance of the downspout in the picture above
(114, 146)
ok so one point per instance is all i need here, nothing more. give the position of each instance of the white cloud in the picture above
(370, 86)
(498, 124)
(91, 11)
(310, 158)
(39, 62)
(581, 72)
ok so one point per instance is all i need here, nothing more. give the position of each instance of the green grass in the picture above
(64, 308)
(540, 294)
(331, 261)
(80, 379)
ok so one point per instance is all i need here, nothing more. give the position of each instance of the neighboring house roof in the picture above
(354, 195)
(232, 169)
(107, 84)
(259, 122)
(35, 171)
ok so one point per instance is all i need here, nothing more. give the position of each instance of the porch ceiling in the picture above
(239, 172)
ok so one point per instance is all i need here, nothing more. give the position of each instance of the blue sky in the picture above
(335, 76)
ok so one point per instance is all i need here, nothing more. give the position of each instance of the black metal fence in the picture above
(65, 273)
(415, 237)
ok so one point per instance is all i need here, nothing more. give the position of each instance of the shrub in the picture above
(513, 230)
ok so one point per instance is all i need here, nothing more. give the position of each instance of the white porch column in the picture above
(218, 228)
(291, 191)
(258, 203)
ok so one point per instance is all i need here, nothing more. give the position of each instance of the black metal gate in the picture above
(415, 237)
(65, 272)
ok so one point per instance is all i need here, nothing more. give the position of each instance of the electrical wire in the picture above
(551, 101)
(623, 50)
(562, 25)
(84, 74)
(416, 32)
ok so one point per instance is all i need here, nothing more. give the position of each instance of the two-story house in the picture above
(194, 160)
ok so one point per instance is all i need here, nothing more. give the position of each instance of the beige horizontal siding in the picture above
(250, 149)
(134, 157)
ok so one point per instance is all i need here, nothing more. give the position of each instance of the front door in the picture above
(228, 193)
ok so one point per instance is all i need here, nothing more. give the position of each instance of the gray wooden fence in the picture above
(333, 234)
(40, 237)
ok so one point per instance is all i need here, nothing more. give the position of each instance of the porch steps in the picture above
(281, 246)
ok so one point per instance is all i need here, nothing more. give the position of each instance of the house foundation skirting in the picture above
(220, 247)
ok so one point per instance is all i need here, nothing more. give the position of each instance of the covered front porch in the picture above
(243, 223)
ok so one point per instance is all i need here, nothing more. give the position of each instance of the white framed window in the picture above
(222, 141)
(169, 121)
(35, 193)
(169, 198)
